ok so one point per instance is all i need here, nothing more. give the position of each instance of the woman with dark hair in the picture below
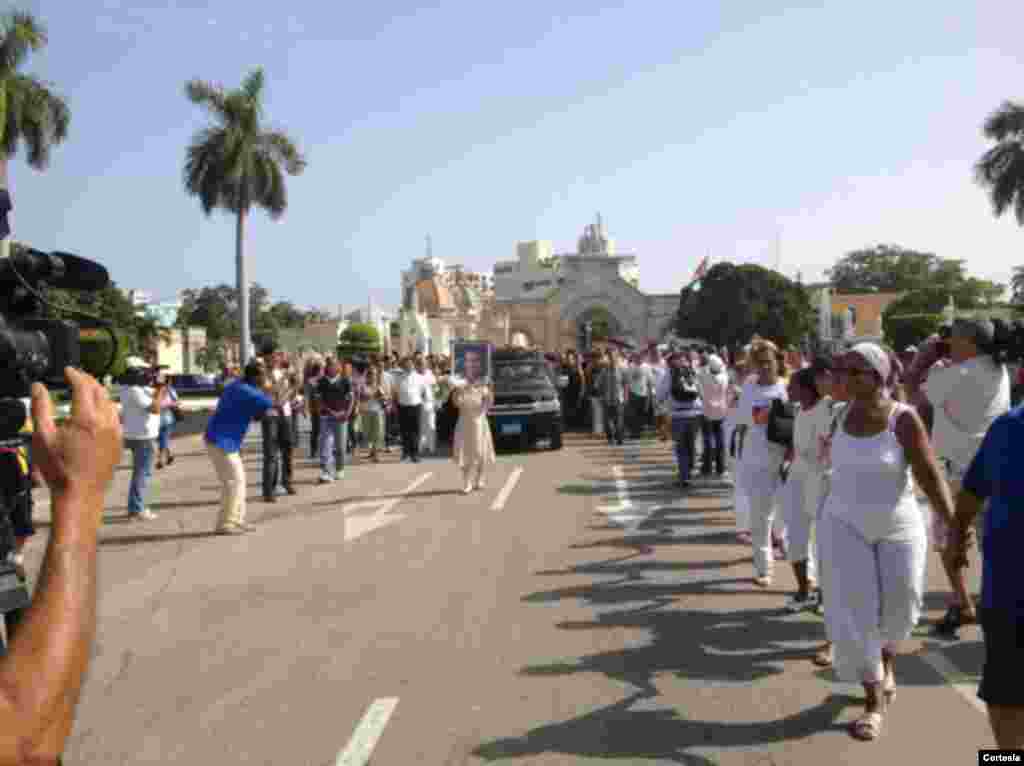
(802, 493)
(872, 537)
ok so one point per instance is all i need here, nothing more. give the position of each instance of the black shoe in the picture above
(416, 459)
(270, 499)
(950, 624)
(291, 490)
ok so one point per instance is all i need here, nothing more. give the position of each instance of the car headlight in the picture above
(547, 405)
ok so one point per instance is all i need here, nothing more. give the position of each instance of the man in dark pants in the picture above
(611, 383)
(277, 431)
(410, 395)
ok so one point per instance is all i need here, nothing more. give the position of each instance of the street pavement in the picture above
(579, 610)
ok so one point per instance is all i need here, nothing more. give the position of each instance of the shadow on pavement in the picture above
(151, 538)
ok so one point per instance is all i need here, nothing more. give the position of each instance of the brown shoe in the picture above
(231, 529)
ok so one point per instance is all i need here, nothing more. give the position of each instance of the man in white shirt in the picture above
(410, 393)
(140, 415)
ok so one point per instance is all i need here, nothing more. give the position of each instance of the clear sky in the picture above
(694, 127)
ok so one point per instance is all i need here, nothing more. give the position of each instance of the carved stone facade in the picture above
(547, 307)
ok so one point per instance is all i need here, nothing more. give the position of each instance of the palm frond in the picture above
(36, 116)
(1005, 122)
(252, 86)
(22, 33)
(1001, 171)
(207, 95)
(284, 151)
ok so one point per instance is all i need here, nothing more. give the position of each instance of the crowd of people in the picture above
(849, 466)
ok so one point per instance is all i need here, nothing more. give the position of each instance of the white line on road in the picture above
(506, 491)
(360, 747)
(621, 488)
(357, 526)
(953, 676)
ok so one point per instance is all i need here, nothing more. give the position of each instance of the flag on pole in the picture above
(702, 269)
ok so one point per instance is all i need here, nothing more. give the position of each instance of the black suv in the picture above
(526, 402)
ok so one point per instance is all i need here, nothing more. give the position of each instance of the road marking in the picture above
(953, 676)
(621, 488)
(357, 526)
(506, 491)
(360, 747)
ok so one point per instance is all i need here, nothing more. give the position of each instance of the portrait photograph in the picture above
(471, 361)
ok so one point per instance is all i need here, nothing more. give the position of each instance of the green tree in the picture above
(736, 302)
(30, 112)
(914, 317)
(236, 164)
(359, 338)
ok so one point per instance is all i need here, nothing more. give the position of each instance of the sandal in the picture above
(867, 728)
(824, 658)
(889, 686)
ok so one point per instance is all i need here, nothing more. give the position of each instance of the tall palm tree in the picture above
(236, 164)
(30, 112)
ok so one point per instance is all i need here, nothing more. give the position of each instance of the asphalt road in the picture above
(579, 610)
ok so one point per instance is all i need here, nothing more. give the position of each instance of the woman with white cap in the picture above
(872, 537)
(714, 390)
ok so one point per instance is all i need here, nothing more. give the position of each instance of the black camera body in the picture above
(33, 349)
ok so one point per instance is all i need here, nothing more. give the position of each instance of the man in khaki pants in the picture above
(241, 402)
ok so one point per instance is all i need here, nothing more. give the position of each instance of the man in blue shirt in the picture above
(241, 402)
(995, 475)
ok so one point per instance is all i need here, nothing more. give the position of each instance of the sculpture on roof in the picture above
(594, 240)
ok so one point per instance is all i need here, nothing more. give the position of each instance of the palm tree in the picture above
(1017, 284)
(30, 112)
(236, 164)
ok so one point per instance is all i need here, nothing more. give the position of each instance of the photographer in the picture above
(967, 396)
(140, 413)
(42, 673)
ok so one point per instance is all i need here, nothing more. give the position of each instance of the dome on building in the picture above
(434, 297)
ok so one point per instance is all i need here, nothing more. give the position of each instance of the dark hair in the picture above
(1007, 341)
(823, 363)
(253, 371)
(806, 379)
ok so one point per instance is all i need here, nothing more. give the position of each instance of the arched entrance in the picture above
(603, 324)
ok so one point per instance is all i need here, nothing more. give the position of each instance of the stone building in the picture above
(547, 297)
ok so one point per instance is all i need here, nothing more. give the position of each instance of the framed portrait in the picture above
(471, 361)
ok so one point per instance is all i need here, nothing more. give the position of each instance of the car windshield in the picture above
(517, 373)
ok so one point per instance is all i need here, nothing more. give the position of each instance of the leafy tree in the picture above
(914, 317)
(212, 357)
(736, 302)
(30, 113)
(359, 338)
(1001, 170)
(236, 164)
(286, 315)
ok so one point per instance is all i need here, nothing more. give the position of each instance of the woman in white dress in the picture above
(473, 445)
(802, 494)
(758, 474)
(872, 538)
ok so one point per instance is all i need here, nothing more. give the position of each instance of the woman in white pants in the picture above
(802, 494)
(761, 460)
(872, 534)
(741, 508)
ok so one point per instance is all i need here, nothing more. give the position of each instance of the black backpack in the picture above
(684, 384)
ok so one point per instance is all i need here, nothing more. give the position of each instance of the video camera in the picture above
(34, 348)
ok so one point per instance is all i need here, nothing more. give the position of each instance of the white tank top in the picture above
(870, 485)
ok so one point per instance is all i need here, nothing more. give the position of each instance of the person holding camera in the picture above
(47, 655)
(277, 429)
(241, 402)
(967, 396)
(170, 414)
(140, 413)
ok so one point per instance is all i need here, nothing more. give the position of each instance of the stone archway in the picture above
(620, 317)
(604, 323)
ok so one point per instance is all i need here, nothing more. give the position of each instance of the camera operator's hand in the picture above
(79, 457)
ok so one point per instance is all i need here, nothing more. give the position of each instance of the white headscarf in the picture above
(876, 357)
